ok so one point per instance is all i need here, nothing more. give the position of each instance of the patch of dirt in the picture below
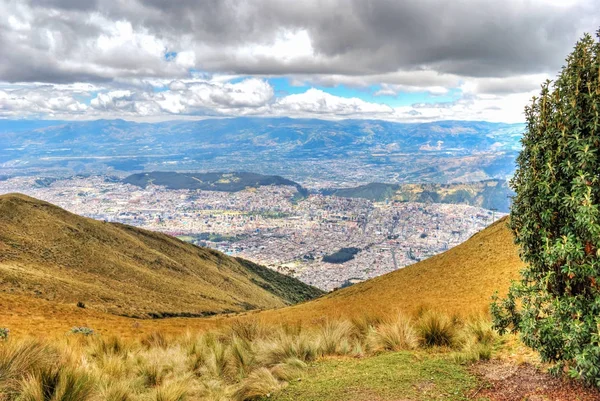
(508, 382)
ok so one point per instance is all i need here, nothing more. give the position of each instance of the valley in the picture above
(274, 225)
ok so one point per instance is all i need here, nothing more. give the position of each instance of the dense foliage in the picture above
(556, 221)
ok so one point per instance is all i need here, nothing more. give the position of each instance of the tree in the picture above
(555, 218)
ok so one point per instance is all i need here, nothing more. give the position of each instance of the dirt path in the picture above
(508, 382)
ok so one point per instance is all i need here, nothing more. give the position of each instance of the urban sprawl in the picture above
(271, 226)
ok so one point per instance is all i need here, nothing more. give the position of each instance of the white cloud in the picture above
(317, 102)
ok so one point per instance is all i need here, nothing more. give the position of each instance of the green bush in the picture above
(4, 332)
(555, 218)
(86, 331)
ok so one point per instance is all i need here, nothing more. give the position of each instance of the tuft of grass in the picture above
(117, 391)
(365, 323)
(335, 336)
(214, 390)
(482, 331)
(395, 335)
(64, 384)
(177, 391)
(289, 370)
(436, 329)
(260, 383)
(112, 345)
(272, 351)
(240, 357)
(248, 330)
(153, 373)
(155, 339)
(21, 359)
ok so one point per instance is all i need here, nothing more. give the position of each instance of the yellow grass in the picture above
(458, 282)
(49, 254)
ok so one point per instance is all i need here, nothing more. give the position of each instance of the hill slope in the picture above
(460, 281)
(489, 194)
(226, 182)
(49, 253)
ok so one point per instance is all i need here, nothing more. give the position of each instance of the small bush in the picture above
(4, 332)
(436, 329)
(85, 331)
(80, 305)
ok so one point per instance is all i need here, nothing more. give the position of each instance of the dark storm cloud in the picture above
(349, 37)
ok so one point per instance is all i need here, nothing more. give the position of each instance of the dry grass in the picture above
(244, 363)
(394, 335)
(48, 253)
(458, 282)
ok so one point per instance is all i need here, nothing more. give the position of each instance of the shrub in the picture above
(86, 331)
(555, 217)
(80, 304)
(4, 332)
(436, 329)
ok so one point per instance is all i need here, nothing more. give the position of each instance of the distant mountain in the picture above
(49, 253)
(374, 191)
(301, 149)
(225, 182)
(489, 194)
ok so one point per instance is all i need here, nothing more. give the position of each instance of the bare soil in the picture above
(509, 382)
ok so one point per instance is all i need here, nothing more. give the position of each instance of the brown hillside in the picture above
(460, 281)
(50, 254)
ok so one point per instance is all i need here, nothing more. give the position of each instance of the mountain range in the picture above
(303, 150)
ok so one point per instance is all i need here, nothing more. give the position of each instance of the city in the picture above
(270, 226)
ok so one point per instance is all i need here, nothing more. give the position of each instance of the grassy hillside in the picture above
(49, 254)
(460, 281)
(226, 182)
(489, 194)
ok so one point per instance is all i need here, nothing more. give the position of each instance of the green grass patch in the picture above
(415, 376)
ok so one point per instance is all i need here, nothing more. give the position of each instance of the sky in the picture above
(411, 60)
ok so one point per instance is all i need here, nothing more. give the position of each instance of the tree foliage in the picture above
(555, 218)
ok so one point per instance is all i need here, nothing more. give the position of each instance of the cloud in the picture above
(154, 58)
(315, 101)
(103, 40)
